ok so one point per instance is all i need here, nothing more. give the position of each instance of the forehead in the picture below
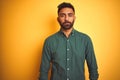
(66, 10)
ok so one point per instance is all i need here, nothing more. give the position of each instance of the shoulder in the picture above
(51, 41)
(85, 38)
(52, 37)
(82, 35)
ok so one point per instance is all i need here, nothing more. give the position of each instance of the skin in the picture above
(66, 18)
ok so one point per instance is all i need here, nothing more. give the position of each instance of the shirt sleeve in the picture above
(91, 61)
(45, 62)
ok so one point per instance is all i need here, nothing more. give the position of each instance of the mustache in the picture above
(66, 22)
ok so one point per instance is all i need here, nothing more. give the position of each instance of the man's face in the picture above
(66, 18)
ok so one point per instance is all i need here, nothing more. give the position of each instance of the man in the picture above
(67, 50)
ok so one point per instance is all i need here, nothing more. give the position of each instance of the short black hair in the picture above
(64, 5)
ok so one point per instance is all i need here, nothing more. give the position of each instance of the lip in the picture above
(66, 23)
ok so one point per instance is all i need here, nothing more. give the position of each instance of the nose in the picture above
(66, 17)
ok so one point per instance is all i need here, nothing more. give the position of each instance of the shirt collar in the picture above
(71, 34)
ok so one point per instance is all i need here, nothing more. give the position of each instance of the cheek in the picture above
(60, 20)
(72, 19)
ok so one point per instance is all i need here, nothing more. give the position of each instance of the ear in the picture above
(74, 17)
(57, 19)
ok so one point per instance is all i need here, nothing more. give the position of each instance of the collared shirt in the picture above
(68, 56)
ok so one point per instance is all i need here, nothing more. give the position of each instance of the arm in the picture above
(45, 62)
(91, 61)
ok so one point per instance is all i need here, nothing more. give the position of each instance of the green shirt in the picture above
(68, 56)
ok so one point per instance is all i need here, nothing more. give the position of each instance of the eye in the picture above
(70, 14)
(61, 15)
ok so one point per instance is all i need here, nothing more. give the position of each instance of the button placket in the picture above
(68, 59)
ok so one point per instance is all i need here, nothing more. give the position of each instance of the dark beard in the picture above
(66, 25)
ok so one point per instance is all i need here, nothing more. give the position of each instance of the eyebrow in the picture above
(65, 13)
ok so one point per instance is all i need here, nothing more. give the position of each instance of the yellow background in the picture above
(26, 23)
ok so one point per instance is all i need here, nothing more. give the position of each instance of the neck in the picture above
(67, 32)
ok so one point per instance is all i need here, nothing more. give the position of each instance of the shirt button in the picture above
(68, 79)
(67, 49)
(68, 59)
(68, 40)
(68, 69)
(72, 34)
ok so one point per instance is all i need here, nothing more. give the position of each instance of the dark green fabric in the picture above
(68, 56)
